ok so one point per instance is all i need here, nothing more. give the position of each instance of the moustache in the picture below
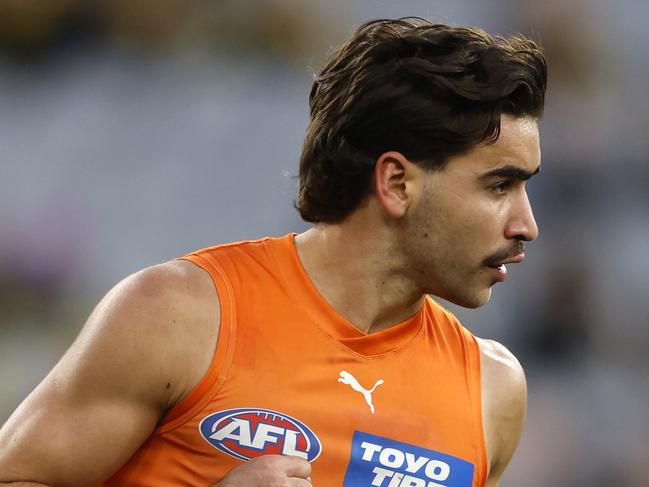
(495, 259)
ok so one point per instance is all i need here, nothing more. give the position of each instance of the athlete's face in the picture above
(473, 216)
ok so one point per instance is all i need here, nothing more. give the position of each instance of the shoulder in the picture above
(165, 299)
(502, 369)
(144, 347)
(175, 279)
(504, 402)
(154, 320)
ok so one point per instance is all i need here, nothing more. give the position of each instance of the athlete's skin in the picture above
(418, 232)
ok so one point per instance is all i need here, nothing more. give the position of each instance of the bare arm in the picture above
(504, 400)
(125, 370)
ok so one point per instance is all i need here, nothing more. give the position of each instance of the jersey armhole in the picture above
(223, 354)
(477, 385)
(472, 364)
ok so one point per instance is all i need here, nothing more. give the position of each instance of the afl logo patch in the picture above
(247, 433)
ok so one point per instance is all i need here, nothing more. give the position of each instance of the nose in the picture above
(521, 224)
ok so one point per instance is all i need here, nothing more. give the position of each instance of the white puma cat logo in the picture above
(349, 379)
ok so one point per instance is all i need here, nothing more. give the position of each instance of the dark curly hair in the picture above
(428, 91)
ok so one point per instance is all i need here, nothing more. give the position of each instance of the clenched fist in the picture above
(270, 471)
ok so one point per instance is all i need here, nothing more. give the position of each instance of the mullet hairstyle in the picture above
(428, 91)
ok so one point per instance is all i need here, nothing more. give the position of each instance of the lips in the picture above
(511, 260)
(499, 273)
(498, 268)
(511, 255)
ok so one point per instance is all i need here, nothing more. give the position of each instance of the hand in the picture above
(270, 471)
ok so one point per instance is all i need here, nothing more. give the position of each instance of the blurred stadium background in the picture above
(135, 131)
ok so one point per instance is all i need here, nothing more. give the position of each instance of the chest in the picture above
(395, 419)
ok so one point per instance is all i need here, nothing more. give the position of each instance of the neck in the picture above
(359, 273)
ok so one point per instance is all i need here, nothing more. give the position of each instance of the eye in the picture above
(501, 187)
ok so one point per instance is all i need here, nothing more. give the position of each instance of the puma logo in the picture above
(349, 379)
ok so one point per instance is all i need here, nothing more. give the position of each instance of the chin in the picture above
(470, 300)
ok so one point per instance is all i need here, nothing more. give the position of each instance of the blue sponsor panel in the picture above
(380, 462)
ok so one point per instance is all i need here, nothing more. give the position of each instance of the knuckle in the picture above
(266, 459)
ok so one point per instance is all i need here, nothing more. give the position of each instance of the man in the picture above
(319, 357)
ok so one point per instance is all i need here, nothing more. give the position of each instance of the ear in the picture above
(392, 183)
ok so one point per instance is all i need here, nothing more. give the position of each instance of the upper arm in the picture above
(504, 400)
(110, 389)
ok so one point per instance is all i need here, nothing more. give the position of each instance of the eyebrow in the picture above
(511, 172)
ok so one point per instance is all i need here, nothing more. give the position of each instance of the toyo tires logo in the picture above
(246, 433)
(382, 462)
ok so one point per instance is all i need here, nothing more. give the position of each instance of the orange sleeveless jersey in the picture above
(400, 407)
